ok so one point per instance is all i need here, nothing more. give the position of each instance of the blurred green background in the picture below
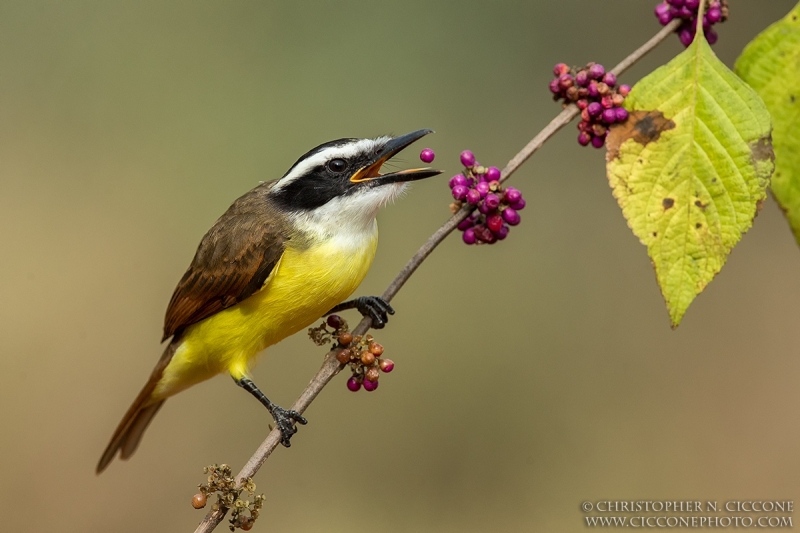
(531, 375)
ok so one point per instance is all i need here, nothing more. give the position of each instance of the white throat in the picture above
(348, 215)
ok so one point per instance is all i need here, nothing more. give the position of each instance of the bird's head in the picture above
(341, 180)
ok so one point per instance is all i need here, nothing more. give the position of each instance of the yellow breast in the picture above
(305, 284)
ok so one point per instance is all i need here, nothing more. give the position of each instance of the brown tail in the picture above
(130, 430)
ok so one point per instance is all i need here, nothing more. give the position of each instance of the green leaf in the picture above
(771, 65)
(690, 168)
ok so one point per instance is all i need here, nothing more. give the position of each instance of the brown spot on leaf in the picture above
(655, 234)
(700, 204)
(792, 98)
(762, 150)
(668, 202)
(642, 126)
(698, 225)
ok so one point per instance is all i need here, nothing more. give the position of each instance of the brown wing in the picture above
(233, 261)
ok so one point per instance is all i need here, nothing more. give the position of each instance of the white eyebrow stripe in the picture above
(332, 152)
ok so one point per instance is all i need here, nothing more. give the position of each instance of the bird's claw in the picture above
(376, 308)
(285, 420)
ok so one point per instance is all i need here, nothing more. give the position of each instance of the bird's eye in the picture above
(337, 165)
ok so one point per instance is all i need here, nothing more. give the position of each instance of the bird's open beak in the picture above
(372, 172)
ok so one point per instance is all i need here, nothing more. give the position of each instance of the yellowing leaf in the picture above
(771, 65)
(690, 168)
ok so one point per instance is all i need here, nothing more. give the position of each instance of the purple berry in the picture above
(484, 209)
(465, 224)
(427, 155)
(662, 8)
(596, 71)
(594, 109)
(502, 233)
(370, 386)
(560, 68)
(582, 78)
(494, 223)
(458, 179)
(598, 142)
(686, 13)
(353, 384)
(511, 216)
(555, 88)
(686, 37)
(676, 3)
(592, 89)
(711, 36)
(483, 188)
(492, 173)
(467, 158)
(469, 236)
(584, 138)
(518, 206)
(473, 196)
(460, 192)
(610, 79)
(622, 114)
(484, 234)
(492, 201)
(513, 195)
(609, 116)
(692, 4)
(566, 81)
(624, 90)
(664, 18)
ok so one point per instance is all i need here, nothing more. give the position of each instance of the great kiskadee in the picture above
(283, 255)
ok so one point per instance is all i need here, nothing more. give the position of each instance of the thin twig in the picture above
(330, 366)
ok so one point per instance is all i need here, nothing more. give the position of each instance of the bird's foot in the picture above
(285, 420)
(376, 308)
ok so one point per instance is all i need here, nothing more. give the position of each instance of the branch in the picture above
(330, 366)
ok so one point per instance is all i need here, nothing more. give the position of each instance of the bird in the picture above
(284, 254)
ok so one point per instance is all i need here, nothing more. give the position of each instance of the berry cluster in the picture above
(596, 94)
(361, 352)
(687, 10)
(222, 484)
(497, 206)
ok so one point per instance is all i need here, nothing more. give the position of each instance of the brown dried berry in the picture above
(367, 357)
(335, 321)
(247, 524)
(199, 500)
(372, 374)
(376, 348)
(344, 356)
(345, 339)
(572, 93)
